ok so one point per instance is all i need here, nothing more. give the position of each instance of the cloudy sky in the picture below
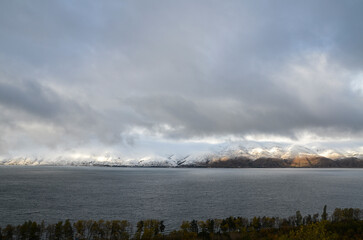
(127, 76)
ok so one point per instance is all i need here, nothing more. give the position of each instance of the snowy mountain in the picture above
(247, 150)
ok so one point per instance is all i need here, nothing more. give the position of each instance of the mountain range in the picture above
(245, 154)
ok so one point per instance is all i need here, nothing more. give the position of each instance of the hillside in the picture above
(227, 155)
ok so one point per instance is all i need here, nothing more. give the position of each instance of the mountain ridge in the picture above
(238, 154)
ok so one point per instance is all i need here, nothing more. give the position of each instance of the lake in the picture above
(170, 194)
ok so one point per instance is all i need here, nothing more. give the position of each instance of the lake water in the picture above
(172, 195)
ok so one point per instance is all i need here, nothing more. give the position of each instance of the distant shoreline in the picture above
(177, 167)
(236, 162)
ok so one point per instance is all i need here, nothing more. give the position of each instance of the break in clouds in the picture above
(100, 76)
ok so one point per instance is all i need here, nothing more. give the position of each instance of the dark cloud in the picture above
(93, 71)
(30, 97)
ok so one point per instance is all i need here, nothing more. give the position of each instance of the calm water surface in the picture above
(173, 195)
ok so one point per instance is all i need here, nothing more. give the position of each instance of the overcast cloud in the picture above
(115, 74)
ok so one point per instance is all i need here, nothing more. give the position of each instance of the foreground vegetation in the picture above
(342, 224)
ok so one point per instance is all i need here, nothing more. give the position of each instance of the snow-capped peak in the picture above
(230, 150)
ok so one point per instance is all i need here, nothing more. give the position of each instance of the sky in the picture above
(137, 77)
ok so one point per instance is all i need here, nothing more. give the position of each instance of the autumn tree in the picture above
(8, 232)
(299, 218)
(324, 216)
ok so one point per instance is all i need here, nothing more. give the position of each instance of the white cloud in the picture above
(356, 83)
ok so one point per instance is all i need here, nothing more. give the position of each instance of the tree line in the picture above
(344, 223)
